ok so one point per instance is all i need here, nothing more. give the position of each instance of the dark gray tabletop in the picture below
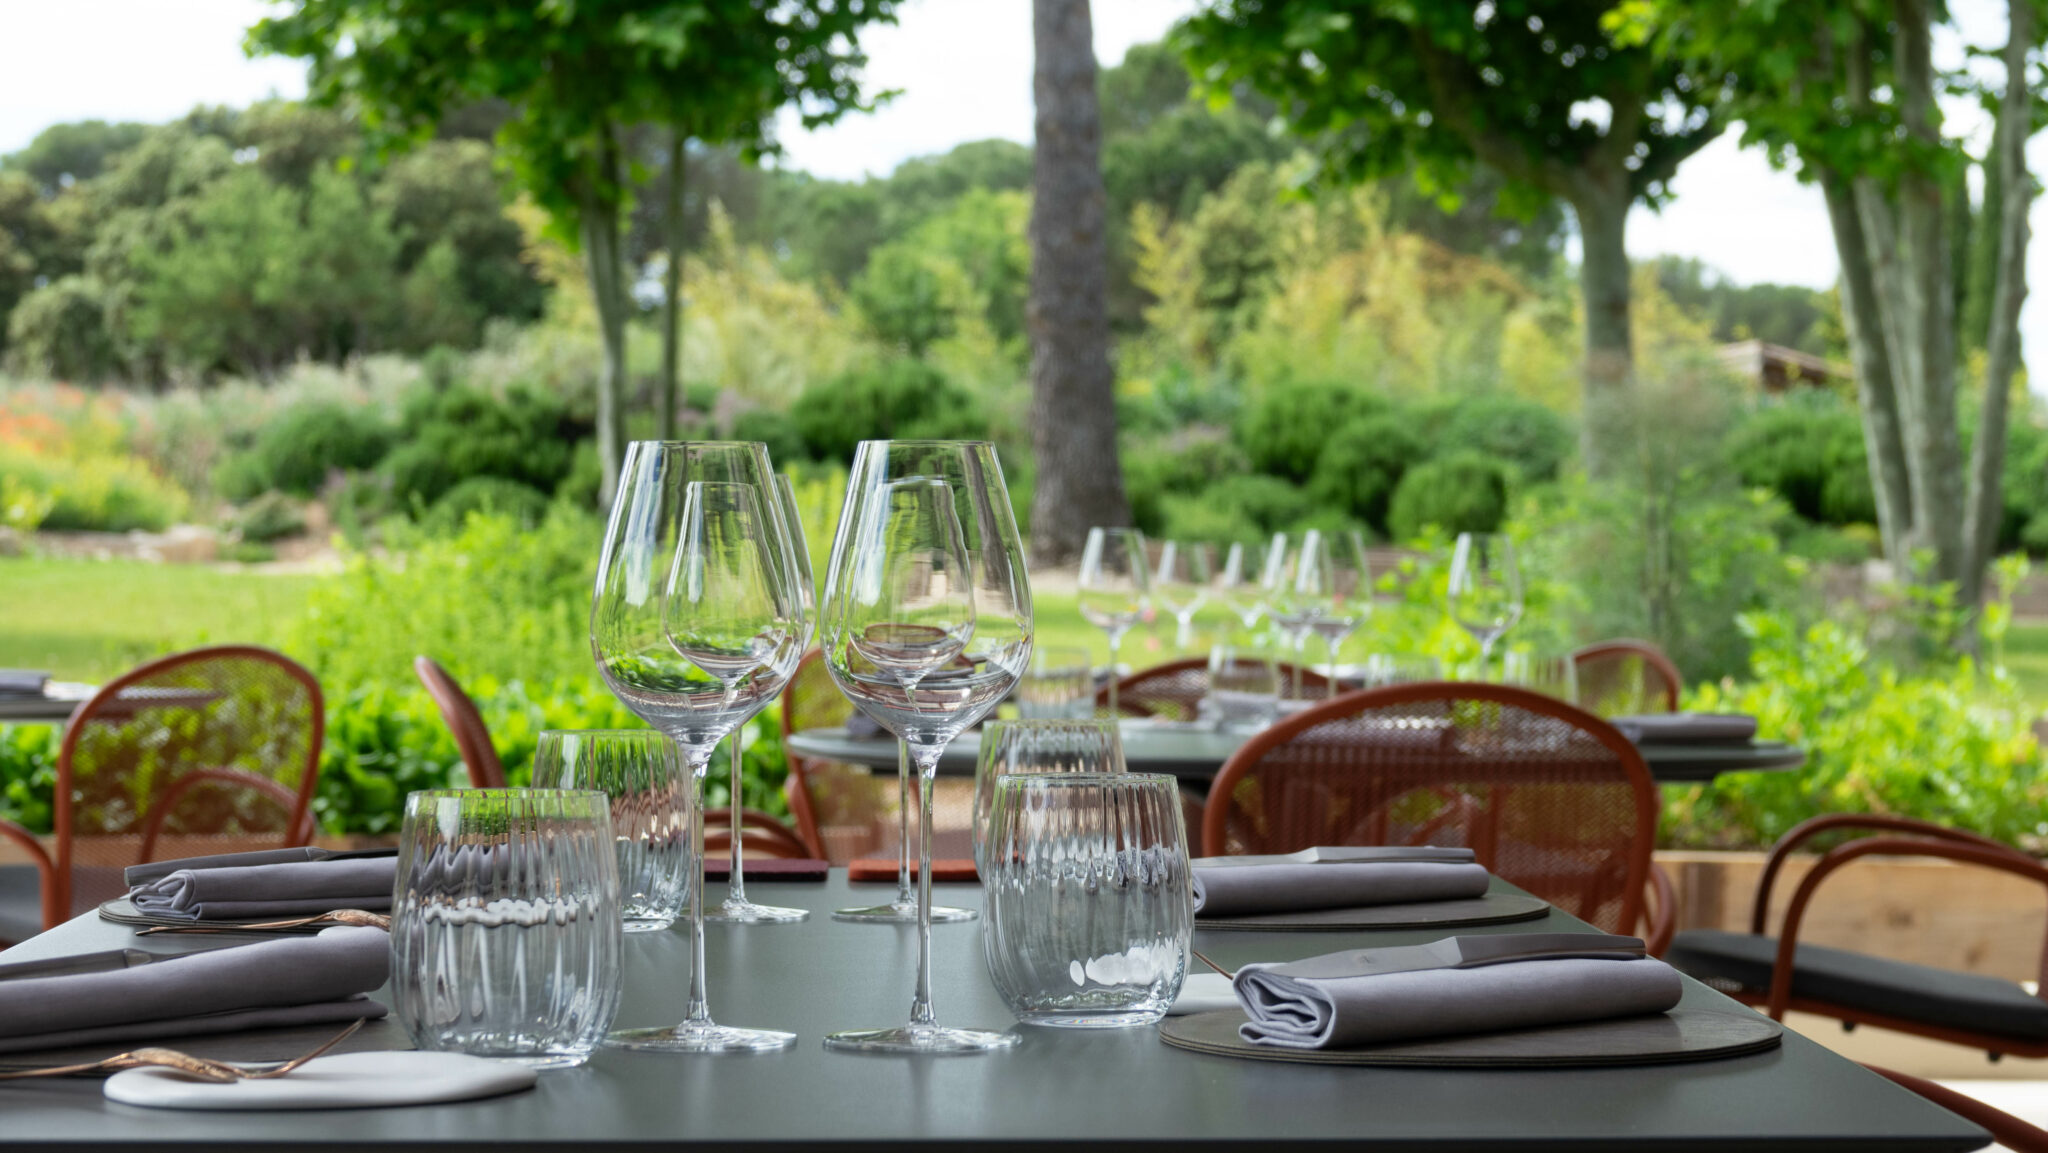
(1059, 1087)
(1195, 754)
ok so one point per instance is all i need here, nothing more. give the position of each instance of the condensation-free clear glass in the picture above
(505, 934)
(1088, 910)
(642, 772)
(1036, 746)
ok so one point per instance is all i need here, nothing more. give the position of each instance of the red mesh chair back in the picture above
(1626, 677)
(460, 714)
(1174, 691)
(1550, 797)
(209, 751)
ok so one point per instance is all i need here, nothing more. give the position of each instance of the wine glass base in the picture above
(893, 914)
(748, 913)
(700, 1039)
(920, 1039)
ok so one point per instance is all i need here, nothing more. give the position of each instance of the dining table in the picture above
(1195, 753)
(1070, 1089)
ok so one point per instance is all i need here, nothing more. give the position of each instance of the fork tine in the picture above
(295, 1062)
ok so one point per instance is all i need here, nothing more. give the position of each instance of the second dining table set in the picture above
(511, 927)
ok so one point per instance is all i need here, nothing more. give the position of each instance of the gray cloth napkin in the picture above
(1367, 996)
(1654, 728)
(235, 1021)
(182, 994)
(1334, 878)
(23, 682)
(294, 889)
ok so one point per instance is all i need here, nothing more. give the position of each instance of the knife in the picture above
(1465, 953)
(110, 961)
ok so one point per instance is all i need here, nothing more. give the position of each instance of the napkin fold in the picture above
(290, 889)
(1677, 728)
(23, 682)
(1455, 985)
(1334, 878)
(292, 981)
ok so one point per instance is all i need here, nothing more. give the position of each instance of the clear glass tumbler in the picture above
(505, 933)
(649, 786)
(1039, 747)
(1244, 687)
(1060, 684)
(1088, 910)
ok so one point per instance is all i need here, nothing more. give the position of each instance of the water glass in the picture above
(1088, 907)
(1384, 669)
(505, 933)
(1039, 747)
(643, 774)
(1244, 687)
(1550, 675)
(1060, 685)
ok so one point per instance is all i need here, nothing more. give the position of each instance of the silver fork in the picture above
(336, 917)
(198, 1068)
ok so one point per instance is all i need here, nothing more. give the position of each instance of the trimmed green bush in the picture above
(297, 449)
(272, 516)
(1363, 464)
(463, 432)
(1284, 428)
(1807, 448)
(1462, 492)
(777, 430)
(1182, 466)
(900, 398)
(524, 503)
(1536, 440)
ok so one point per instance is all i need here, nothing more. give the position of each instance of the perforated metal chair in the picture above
(209, 751)
(1548, 796)
(459, 713)
(1626, 677)
(1781, 974)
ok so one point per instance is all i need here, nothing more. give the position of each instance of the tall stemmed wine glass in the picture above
(1485, 590)
(1115, 583)
(736, 908)
(1181, 585)
(926, 636)
(1334, 581)
(696, 627)
(1291, 610)
(1237, 585)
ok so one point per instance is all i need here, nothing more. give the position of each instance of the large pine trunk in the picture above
(672, 292)
(1608, 424)
(603, 258)
(1073, 405)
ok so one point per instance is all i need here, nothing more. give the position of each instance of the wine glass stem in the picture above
(736, 879)
(1332, 695)
(1184, 636)
(1485, 655)
(903, 893)
(921, 1015)
(1115, 639)
(698, 1013)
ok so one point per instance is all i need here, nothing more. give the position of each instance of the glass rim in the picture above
(699, 443)
(504, 793)
(1076, 780)
(927, 442)
(1105, 725)
(647, 732)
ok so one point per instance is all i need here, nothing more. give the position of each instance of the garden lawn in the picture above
(89, 620)
(2026, 655)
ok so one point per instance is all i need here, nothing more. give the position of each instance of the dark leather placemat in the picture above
(381, 1035)
(1680, 1035)
(1491, 909)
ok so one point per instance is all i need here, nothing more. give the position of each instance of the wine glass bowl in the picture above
(1333, 583)
(1113, 588)
(1180, 584)
(1485, 589)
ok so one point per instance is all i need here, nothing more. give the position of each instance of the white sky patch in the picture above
(1596, 112)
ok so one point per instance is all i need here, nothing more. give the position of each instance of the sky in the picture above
(964, 68)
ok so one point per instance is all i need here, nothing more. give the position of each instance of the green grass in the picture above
(2026, 656)
(89, 620)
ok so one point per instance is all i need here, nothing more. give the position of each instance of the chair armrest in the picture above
(297, 834)
(1806, 830)
(2006, 1129)
(1994, 857)
(46, 872)
(1663, 911)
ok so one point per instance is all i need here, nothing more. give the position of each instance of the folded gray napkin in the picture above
(1334, 878)
(293, 889)
(299, 980)
(23, 682)
(1654, 728)
(1481, 984)
(155, 870)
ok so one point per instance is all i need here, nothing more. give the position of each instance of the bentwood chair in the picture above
(1626, 677)
(1780, 974)
(1174, 691)
(209, 751)
(1548, 796)
(2007, 1130)
(460, 714)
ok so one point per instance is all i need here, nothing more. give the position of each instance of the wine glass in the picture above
(1181, 585)
(1290, 609)
(1114, 584)
(736, 909)
(696, 627)
(1485, 590)
(914, 655)
(1238, 587)
(1334, 581)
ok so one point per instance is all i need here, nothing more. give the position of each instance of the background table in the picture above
(1195, 755)
(1058, 1088)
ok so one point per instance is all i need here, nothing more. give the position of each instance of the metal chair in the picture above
(460, 714)
(1174, 691)
(2007, 1130)
(1781, 974)
(1548, 796)
(1623, 677)
(766, 836)
(208, 751)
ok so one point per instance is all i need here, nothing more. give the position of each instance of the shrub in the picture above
(103, 493)
(60, 330)
(1534, 439)
(272, 516)
(465, 432)
(1236, 508)
(1807, 448)
(297, 449)
(525, 504)
(1284, 428)
(900, 398)
(1462, 492)
(1363, 464)
(1181, 466)
(777, 430)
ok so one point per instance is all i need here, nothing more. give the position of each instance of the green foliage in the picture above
(466, 431)
(66, 154)
(272, 516)
(778, 430)
(1239, 508)
(1532, 438)
(969, 263)
(60, 331)
(296, 450)
(103, 493)
(1808, 449)
(899, 398)
(28, 774)
(1784, 314)
(1458, 492)
(1183, 465)
(1283, 428)
(1363, 463)
(524, 503)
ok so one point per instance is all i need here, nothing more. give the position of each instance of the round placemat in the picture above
(1680, 1035)
(122, 911)
(1491, 909)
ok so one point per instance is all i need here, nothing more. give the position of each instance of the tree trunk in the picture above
(672, 292)
(1607, 425)
(1073, 403)
(600, 226)
(1883, 443)
(2002, 341)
